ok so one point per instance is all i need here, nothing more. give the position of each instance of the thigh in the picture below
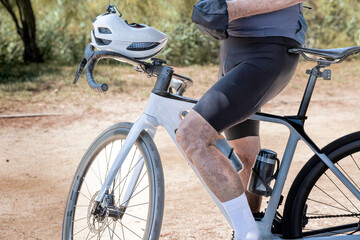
(229, 59)
(262, 73)
(246, 128)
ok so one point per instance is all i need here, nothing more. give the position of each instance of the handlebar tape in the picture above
(94, 57)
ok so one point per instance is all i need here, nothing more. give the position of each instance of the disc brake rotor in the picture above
(97, 223)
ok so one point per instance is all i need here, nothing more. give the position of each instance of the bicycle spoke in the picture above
(138, 192)
(114, 233)
(129, 169)
(352, 157)
(125, 177)
(137, 184)
(79, 219)
(130, 215)
(97, 158)
(95, 236)
(122, 228)
(117, 177)
(107, 162)
(96, 175)
(84, 195)
(87, 237)
(130, 180)
(339, 189)
(329, 205)
(87, 187)
(108, 159)
(348, 176)
(114, 227)
(136, 205)
(81, 206)
(100, 234)
(80, 230)
(332, 198)
(130, 230)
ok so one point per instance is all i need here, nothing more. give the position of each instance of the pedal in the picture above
(258, 216)
(277, 224)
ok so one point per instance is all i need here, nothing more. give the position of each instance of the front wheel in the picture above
(318, 204)
(133, 212)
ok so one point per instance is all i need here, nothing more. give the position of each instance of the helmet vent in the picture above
(104, 30)
(102, 42)
(99, 41)
(141, 46)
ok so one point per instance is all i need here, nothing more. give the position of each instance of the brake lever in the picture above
(80, 69)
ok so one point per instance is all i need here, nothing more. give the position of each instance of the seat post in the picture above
(314, 73)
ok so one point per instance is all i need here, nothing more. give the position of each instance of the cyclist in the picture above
(254, 67)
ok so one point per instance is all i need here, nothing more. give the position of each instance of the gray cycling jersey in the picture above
(288, 22)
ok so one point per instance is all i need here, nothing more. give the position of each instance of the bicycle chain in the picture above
(335, 216)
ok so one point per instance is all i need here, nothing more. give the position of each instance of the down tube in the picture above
(167, 111)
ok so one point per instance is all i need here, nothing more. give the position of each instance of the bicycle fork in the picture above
(145, 122)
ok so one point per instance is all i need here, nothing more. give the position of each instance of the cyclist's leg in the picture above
(264, 72)
(244, 137)
(247, 148)
(197, 138)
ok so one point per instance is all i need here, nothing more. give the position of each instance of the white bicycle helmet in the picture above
(136, 41)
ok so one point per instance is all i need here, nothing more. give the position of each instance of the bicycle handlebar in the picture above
(91, 58)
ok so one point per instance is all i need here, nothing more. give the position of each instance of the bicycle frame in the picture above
(166, 111)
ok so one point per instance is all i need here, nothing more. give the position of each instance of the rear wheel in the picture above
(318, 204)
(116, 218)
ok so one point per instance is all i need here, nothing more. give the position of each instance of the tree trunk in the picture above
(26, 28)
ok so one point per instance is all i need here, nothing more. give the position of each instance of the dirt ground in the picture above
(39, 156)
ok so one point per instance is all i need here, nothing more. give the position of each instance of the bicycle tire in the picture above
(146, 224)
(318, 204)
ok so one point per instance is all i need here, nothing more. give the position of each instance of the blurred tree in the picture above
(332, 23)
(25, 26)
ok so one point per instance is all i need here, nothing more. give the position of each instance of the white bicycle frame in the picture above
(166, 112)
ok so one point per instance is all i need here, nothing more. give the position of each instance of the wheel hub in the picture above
(97, 217)
(98, 214)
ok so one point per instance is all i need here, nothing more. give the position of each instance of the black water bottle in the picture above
(263, 172)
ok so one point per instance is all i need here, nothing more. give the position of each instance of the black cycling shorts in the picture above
(252, 72)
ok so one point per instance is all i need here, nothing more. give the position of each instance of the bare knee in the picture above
(187, 138)
(195, 134)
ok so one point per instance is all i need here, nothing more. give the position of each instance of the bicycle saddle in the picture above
(328, 54)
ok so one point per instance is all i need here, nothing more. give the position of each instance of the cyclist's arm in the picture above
(244, 8)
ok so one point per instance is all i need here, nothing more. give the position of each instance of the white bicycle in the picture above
(118, 189)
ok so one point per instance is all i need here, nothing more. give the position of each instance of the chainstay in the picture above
(335, 216)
